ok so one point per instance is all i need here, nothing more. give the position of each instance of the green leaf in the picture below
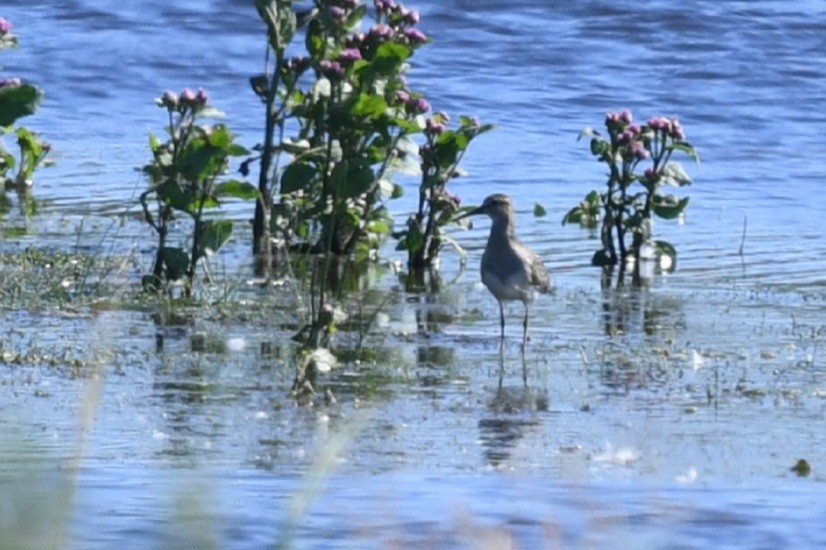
(686, 148)
(674, 174)
(667, 256)
(260, 85)
(387, 62)
(356, 16)
(215, 233)
(539, 211)
(601, 258)
(297, 176)
(668, 207)
(379, 227)
(369, 105)
(237, 189)
(599, 146)
(17, 102)
(574, 215)
(314, 39)
(176, 262)
(355, 177)
(200, 160)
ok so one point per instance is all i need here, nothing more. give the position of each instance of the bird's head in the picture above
(497, 207)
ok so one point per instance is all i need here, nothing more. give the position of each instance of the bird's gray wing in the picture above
(539, 274)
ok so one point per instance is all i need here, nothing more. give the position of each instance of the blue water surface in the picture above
(747, 80)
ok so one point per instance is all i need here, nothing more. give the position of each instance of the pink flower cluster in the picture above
(628, 135)
(5, 27)
(669, 126)
(413, 105)
(187, 99)
(621, 118)
(331, 69)
(10, 82)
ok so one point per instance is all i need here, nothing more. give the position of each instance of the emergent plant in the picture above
(18, 99)
(631, 199)
(440, 157)
(184, 178)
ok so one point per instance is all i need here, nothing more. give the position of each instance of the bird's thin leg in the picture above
(502, 320)
(525, 329)
(524, 369)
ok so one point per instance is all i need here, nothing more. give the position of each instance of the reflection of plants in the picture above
(627, 205)
(184, 178)
(440, 157)
(18, 99)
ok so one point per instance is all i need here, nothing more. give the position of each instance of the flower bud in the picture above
(10, 82)
(349, 55)
(187, 96)
(337, 13)
(415, 36)
(202, 98)
(331, 69)
(418, 105)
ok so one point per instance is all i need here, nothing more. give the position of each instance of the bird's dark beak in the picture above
(467, 213)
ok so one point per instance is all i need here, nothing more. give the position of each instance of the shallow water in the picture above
(664, 418)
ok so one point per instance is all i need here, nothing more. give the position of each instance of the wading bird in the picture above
(510, 270)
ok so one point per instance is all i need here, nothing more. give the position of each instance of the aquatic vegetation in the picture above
(631, 199)
(186, 177)
(353, 116)
(18, 99)
(340, 119)
(440, 156)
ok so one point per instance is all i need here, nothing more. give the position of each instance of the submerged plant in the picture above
(186, 178)
(633, 194)
(18, 99)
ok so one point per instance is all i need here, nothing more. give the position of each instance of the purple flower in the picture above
(298, 64)
(384, 5)
(337, 13)
(625, 116)
(411, 17)
(434, 128)
(169, 99)
(201, 97)
(10, 82)
(5, 27)
(187, 95)
(349, 55)
(415, 36)
(676, 131)
(659, 123)
(638, 150)
(331, 69)
(402, 97)
(418, 105)
(355, 40)
(382, 31)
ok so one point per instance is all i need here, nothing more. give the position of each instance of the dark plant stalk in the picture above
(263, 206)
